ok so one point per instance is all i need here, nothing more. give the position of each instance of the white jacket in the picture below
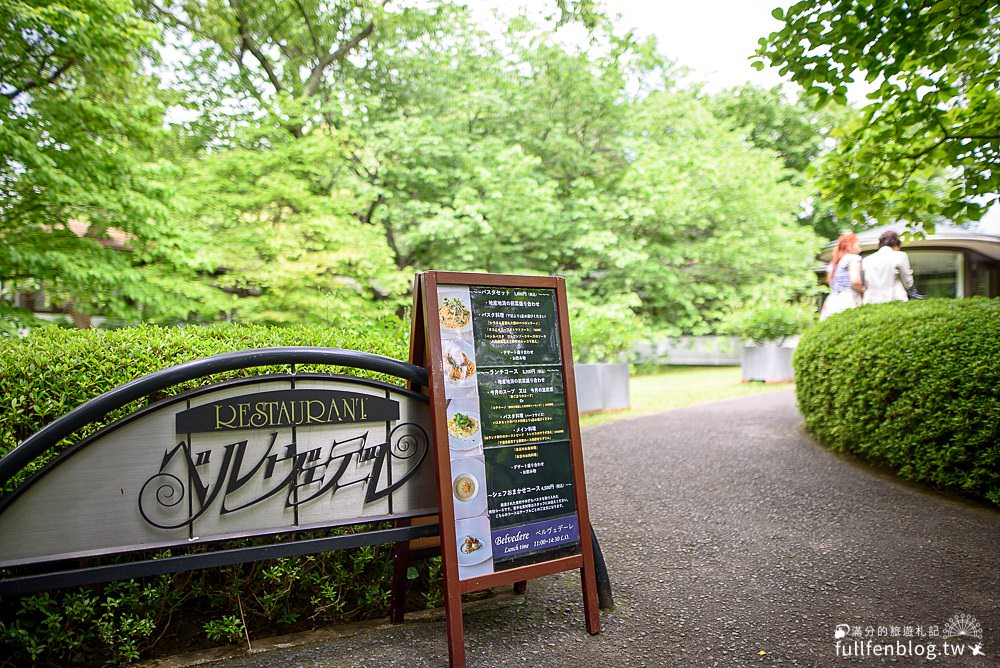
(887, 276)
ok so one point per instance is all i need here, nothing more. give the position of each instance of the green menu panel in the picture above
(522, 405)
(515, 326)
(508, 427)
(528, 484)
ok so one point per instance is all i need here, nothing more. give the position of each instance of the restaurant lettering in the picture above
(287, 408)
(231, 478)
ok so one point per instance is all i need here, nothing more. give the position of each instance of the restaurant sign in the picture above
(257, 456)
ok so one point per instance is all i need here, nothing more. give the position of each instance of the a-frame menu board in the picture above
(513, 501)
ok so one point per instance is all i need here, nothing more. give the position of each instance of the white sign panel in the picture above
(250, 457)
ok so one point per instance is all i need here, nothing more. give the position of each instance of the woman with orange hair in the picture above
(843, 275)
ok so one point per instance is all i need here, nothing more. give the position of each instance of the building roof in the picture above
(945, 237)
(112, 237)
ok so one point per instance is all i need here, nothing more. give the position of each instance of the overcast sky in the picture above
(714, 38)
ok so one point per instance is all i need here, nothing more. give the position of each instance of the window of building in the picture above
(985, 279)
(938, 273)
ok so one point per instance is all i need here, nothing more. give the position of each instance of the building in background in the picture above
(31, 295)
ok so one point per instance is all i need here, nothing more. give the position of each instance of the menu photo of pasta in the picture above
(465, 427)
(458, 353)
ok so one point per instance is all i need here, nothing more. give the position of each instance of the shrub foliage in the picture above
(54, 370)
(47, 374)
(910, 385)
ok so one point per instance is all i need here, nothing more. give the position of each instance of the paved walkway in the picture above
(732, 540)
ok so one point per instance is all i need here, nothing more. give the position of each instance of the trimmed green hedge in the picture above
(913, 385)
(50, 372)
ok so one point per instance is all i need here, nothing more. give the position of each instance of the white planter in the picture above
(601, 387)
(690, 350)
(770, 361)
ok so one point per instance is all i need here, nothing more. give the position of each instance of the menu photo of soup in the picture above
(468, 487)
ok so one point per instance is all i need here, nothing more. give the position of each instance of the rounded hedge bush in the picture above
(912, 385)
(50, 372)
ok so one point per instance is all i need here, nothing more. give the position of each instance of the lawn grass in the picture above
(679, 386)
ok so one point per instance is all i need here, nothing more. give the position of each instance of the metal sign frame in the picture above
(47, 438)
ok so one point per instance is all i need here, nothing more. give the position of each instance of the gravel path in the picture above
(732, 540)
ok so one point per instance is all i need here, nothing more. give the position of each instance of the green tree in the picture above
(427, 141)
(78, 123)
(277, 171)
(770, 121)
(286, 243)
(434, 144)
(535, 158)
(928, 144)
(712, 224)
(506, 163)
(795, 130)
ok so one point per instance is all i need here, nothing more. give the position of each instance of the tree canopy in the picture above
(296, 161)
(794, 129)
(503, 152)
(84, 200)
(927, 145)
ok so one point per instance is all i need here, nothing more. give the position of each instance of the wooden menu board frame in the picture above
(426, 351)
